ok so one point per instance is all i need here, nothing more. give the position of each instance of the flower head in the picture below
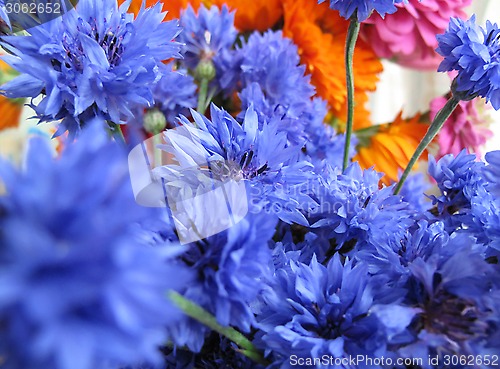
(230, 268)
(93, 64)
(353, 213)
(492, 172)
(258, 154)
(474, 52)
(206, 34)
(448, 282)
(409, 35)
(456, 177)
(275, 83)
(81, 281)
(315, 310)
(363, 8)
(455, 290)
(174, 94)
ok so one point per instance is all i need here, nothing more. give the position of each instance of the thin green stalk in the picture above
(432, 131)
(352, 36)
(202, 96)
(116, 132)
(197, 312)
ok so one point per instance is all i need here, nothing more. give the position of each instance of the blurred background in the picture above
(412, 91)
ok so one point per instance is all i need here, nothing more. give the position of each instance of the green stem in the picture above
(432, 131)
(197, 312)
(116, 132)
(202, 96)
(352, 36)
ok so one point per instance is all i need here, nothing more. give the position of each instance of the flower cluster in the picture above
(473, 52)
(78, 264)
(93, 64)
(232, 224)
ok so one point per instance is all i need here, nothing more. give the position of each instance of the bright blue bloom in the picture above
(457, 294)
(459, 180)
(274, 82)
(467, 203)
(353, 213)
(324, 147)
(363, 8)
(413, 192)
(483, 220)
(257, 154)
(208, 36)
(334, 310)
(174, 94)
(230, 267)
(93, 64)
(474, 52)
(456, 177)
(82, 285)
(492, 172)
(274, 63)
(446, 279)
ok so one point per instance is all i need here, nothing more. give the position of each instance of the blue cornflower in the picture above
(492, 172)
(93, 64)
(273, 62)
(413, 192)
(230, 267)
(174, 94)
(208, 37)
(260, 155)
(474, 52)
(324, 147)
(315, 310)
(206, 34)
(447, 281)
(458, 178)
(363, 8)
(457, 294)
(467, 203)
(274, 82)
(82, 285)
(354, 213)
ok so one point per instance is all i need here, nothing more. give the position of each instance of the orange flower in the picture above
(320, 34)
(10, 110)
(174, 7)
(390, 148)
(253, 15)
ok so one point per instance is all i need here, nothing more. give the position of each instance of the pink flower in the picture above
(409, 35)
(466, 128)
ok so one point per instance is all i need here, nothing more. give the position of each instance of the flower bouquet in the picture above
(215, 195)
